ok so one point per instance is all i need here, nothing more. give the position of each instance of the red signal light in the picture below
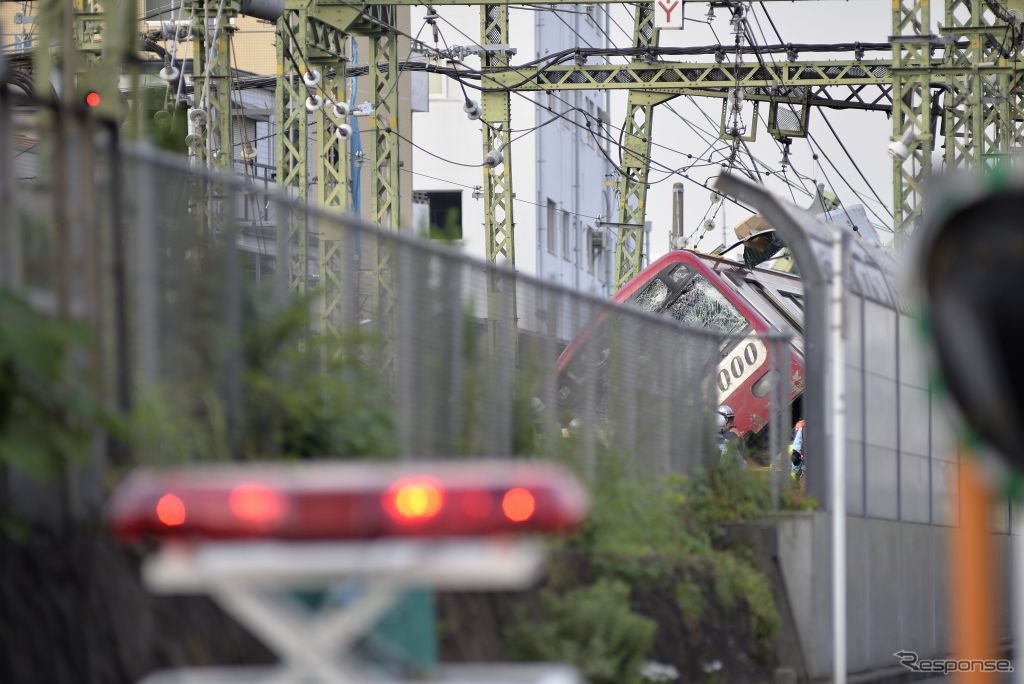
(256, 504)
(92, 99)
(170, 510)
(414, 499)
(518, 504)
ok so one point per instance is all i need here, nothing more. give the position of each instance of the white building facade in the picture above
(563, 176)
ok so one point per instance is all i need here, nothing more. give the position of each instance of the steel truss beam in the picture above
(781, 77)
(324, 39)
(982, 105)
(386, 210)
(307, 44)
(497, 183)
(635, 161)
(982, 117)
(384, 76)
(331, 164)
(864, 98)
(292, 139)
(911, 62)
(211, 30)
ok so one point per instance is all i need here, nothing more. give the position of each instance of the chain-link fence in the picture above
(233, 323)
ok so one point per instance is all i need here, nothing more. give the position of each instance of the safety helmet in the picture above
(726, 412)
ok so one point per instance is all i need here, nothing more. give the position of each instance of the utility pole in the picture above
(677, 234)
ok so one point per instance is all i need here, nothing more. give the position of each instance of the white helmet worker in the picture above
(725, 414)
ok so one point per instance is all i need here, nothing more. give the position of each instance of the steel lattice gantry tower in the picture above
(636, 154)
(974, 87)
(980, 87)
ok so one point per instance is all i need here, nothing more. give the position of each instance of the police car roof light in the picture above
(345, 501)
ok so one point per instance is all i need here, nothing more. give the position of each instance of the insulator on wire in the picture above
(493, 158)
(311, 78)
(340, 110)
(343, 132)
(472, 109)
(785, 153)
(198, 117)
(314, 102)
(169, 73)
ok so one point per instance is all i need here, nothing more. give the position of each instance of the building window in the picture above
(566, 237)
(588, 250)
(445, 214)
(552, 228)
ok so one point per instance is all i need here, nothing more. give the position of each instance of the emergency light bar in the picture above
(346, 500)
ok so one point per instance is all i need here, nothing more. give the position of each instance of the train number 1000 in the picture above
(740, 364)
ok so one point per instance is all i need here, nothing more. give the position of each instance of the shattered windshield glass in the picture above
(702, 305)
(691, 299)
(651, 297)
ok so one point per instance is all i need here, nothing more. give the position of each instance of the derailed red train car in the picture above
(723, 296)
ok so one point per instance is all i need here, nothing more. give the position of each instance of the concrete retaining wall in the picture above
(897, 595)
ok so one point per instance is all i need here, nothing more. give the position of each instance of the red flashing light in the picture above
(92, 99)
(415, 499)
(170, 510)
(518, 504)
(347, 500)
(476, 505)
(256, 504)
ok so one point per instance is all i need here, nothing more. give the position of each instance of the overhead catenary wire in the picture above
(560, 115)
(812, 140)
(571, 121)
(568, 104)
(460, 75)
(699, 131)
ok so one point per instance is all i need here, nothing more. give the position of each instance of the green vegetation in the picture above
(591, 626)
(739, 585)
(301, 395)
(690, 602)
(47, 410)
(664, 540)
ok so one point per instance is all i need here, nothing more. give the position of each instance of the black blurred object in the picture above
(973, 274)
(796, 457)
(761, 248)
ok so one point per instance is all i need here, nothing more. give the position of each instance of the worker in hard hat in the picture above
(730, 439)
